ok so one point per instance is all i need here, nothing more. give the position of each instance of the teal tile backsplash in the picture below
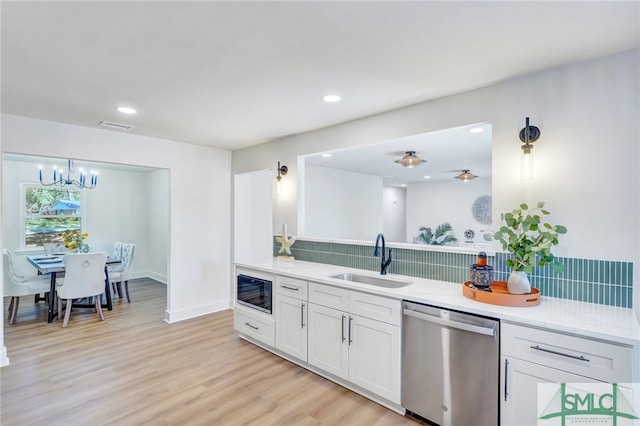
(603, 282)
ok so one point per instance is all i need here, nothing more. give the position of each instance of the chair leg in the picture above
(99, 308)
(13, 313)
(126, 288)
(10, 308)
(119, 285)
(59, 308)
(67, 313)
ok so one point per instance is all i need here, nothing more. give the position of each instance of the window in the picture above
(48, 212)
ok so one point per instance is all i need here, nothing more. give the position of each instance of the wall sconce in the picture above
(282, 171)
(528, 135)
(466, 176)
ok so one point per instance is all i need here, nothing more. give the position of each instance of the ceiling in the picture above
(237, 74)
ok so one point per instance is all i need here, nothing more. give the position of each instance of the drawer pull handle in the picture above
(248, 324)
(289, 288)
(579, 358)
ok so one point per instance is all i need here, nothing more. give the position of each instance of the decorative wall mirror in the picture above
(355, 193)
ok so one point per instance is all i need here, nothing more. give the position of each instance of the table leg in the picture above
(107, 289)
(52, 298)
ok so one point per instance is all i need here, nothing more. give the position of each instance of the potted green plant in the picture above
(529, 240)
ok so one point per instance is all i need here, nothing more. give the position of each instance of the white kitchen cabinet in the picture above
(291, 326)
(364, 351)
(374, 357)
(254, 324)
(531, 356)
(291, 316)
(328, 349)
(519, 404)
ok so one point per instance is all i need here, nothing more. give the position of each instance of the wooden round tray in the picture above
(499, 295)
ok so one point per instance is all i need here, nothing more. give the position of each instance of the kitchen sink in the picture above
(367, 279)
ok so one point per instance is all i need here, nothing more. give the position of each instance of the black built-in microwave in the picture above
(254, 293)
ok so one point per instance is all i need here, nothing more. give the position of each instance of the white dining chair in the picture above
(49, 250)
(84, 278)
(54, 248)
(121, 273)
(16, 285)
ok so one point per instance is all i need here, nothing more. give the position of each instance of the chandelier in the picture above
(61, 179)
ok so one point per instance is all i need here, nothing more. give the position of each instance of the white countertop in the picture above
(602, 322)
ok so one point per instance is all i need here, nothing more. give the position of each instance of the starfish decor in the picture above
(286, 243)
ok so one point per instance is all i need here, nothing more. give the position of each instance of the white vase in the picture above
(518, 283)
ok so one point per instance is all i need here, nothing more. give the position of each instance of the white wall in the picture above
(394, 212)
(199, 201)
(331, 192)
(431, 203)
(158, 225)
(587, 157)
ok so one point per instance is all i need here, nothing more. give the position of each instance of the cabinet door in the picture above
(519, 396)
(328, 348)
(291, 326)
(374, 356)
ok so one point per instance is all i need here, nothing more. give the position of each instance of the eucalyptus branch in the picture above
(528, 238)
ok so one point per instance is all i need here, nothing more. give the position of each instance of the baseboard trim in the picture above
(154, 276)
(177, 316)
(4, 359)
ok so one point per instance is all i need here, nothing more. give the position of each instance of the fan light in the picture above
(410, 160)
(466, 176)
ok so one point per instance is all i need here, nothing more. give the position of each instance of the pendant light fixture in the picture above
(410, 160)
(466, 176)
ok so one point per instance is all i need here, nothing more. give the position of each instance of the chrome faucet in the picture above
(384, 263)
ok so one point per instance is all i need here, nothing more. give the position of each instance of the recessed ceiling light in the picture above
(331, 98)
(327, 155)
(427, 177)
(476, 130)
(126, 110)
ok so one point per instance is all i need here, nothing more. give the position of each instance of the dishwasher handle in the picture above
(488, 331)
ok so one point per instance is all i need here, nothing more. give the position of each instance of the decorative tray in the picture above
(499, 295)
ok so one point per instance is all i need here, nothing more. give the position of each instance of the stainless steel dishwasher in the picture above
(450, 366)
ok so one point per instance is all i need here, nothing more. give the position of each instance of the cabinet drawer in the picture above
(331, 297)
(607, 362)
(255, 326)
(292, 287)
(375, 307)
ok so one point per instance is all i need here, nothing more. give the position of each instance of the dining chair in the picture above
(117, 254)
(84, 278)
(53, 248)
(49, 250)
(122, 273)
(16, 285)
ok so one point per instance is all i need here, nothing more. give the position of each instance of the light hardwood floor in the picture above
(133, 368)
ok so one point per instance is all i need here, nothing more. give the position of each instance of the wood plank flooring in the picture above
(134, 369)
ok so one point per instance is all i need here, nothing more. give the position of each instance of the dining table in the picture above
(54, 264)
